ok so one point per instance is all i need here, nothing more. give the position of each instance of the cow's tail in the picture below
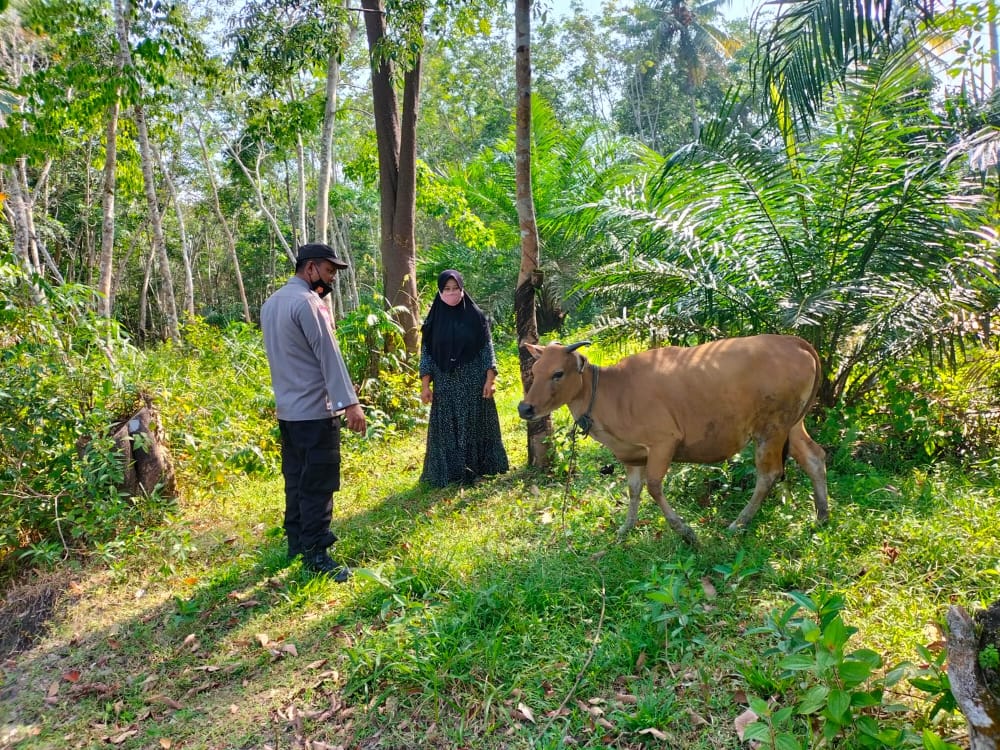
(817, 382)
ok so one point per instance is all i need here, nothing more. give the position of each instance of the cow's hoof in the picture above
(736, 528)
(622, 533)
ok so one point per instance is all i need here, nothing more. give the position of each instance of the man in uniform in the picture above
(312, 389)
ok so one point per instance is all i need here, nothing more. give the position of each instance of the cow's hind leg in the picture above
(636, 479)
(812, 458)
(656, 469)
(769, 459)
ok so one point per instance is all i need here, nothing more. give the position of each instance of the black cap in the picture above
(319, 251)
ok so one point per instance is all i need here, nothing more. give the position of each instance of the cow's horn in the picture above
(577, 345)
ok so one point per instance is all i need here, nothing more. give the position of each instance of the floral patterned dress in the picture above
(463, 436)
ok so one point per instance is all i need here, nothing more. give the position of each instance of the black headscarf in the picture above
(454, 335)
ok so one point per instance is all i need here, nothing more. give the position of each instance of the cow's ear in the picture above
(581, 361)
(534, 350)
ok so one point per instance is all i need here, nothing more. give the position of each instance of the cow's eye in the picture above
(557, 375)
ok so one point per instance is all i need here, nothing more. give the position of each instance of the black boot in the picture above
(318, 561)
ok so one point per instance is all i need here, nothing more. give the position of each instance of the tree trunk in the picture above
(173, 330)
(188, 302)
(149, 182)
(529, 278)
(976, 689)
(224, 226)
(256, 181)
(105, 302)
(145, 458)
(397, 157)
(326, 157)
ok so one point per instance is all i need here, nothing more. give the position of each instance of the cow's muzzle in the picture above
(526, 410)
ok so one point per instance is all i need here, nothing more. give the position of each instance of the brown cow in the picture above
(699, 404)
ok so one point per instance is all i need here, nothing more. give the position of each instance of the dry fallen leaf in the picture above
(120, 738)
(627, 699)
(166, 701)
(696, 719)
(289, 648)
(263, 639)
(653, 732)
(742, 721)
(72, 676)
(316, 664)
(53, 689)
(165, 743)
(525, 712)
(708, 588)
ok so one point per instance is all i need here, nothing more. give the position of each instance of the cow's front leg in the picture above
(636, 479)
(656, 470)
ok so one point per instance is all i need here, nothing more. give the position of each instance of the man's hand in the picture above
(355, 418)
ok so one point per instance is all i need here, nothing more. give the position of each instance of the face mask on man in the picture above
(321, 287)
(451, 297)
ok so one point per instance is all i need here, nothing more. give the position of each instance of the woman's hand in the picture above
(426, 396)
(490, 387)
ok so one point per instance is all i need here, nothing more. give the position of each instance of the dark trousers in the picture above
(310, 464)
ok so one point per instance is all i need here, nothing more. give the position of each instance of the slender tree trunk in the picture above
(326, 151)
(300, 154)
(529, 278)
(149, 182)
(255, 180)
(144, 296)
(994, 44)
(106, 300)
(188, 302)
(173, 331)
(397, 176)
(19, 211)
(224, 226)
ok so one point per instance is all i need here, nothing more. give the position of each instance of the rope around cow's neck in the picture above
(585, 421)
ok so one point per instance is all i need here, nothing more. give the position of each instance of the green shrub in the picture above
(820, 694)
(67, 380)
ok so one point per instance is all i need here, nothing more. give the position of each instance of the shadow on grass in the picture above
(225, 660)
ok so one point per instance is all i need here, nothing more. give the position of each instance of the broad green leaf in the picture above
(797, 662)
(933, 742)
(758, 731)
(838, 704)
(785, 741)
(760, 707)
(814, 699)
(853, 673)
(802, 600)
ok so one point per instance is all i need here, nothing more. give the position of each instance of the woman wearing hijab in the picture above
(457, 371)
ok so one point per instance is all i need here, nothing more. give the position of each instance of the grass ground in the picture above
(500, 616)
